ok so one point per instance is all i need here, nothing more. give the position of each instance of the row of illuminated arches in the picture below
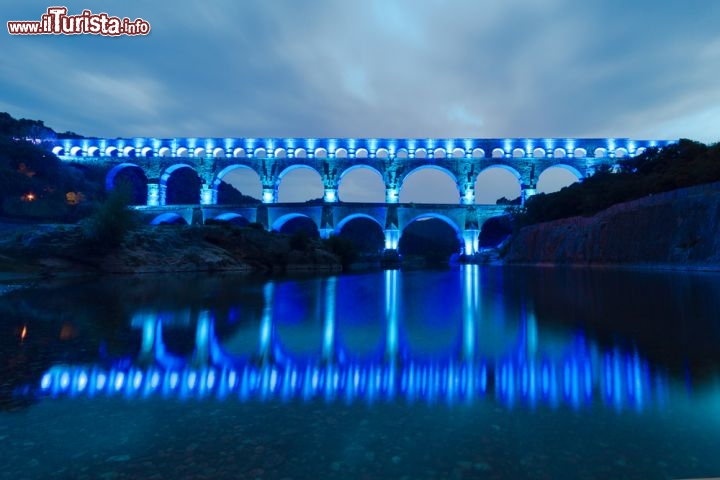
(200, 152)
(359, 183)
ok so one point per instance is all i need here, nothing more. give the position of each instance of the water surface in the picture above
(469, 372)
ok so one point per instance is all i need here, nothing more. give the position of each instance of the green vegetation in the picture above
(111, 220)
(680, 165)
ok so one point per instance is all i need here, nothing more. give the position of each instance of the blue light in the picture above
(45, 381)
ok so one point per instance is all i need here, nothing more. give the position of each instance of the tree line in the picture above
(683, 164)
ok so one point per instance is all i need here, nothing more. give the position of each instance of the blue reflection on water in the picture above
(530, 372)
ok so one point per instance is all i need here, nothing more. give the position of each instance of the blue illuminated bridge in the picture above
(393, 160)
(534, 370)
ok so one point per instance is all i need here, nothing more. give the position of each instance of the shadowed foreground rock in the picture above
(678, 229)
(63, 249)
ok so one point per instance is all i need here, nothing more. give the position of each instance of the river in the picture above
(465, 372)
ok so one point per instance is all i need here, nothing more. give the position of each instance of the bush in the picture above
(111, 221)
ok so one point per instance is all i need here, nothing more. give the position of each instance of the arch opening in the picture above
(168, 219)
(300, 183)
(429, 184)
(361, 183)
(229, 218)
(497, 185)
(182, 185)
(429, 239)
(365, 233)
(556, 178)
(238, 184)
(129, 179)
(297, 225)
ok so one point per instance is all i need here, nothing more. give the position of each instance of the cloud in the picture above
(383, 68)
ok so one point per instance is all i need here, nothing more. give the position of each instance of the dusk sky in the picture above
(375, 68)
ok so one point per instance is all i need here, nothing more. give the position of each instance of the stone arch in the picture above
(234, 218)
(93, 152)
(498, 153)
(640, 151)
(621, 152)
(280, 153)
(58, 151)
(167, 174)
(420, 153)
(500, 181)
(317, 176)
(339, 226)
(559, 153)
(76, 151)
(371, 194)
(518, 153)
(458, 153)
(321, 153)
(111, 151)
(136, 180)
(600, 153)
(218, 153)
(260, 152)
(539, 153)
(543, 178)
(181, 152)
(300, 153)
(168, 218)
(438, 216)
(382, 153)
(402, 153)
(164, 152)
(341, 153)
(361, 153)
(448, 173)
(478, 153)
(281, 221)
(219, 177)
(579, 153)
(199, 152)
(239, 153)
(439, 153)
(146, 152)
(365, 231)
(110, 177)
(129, 151)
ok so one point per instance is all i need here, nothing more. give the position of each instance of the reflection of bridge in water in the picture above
(268, 160)
(575, 373)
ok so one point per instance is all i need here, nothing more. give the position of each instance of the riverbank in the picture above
(677, 230)
(49, 250)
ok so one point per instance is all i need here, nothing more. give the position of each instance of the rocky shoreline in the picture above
(29, 251)
(677, 230)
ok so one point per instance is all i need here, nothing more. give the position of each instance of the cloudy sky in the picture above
(377, 68)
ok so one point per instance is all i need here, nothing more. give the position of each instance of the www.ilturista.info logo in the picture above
(57, 22)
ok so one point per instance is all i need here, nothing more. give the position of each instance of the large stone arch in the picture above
(298, 166)
(449, 173)
(167, 174)
(110, 177)
(457, 245)
(542, 177)
(279, 222)
(168, 218)
(356, 168)
(438, 216)
(488, 170)
(339, 225)
(251, 184)
(230, 217)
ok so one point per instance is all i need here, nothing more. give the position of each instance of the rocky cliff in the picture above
(674, 229)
